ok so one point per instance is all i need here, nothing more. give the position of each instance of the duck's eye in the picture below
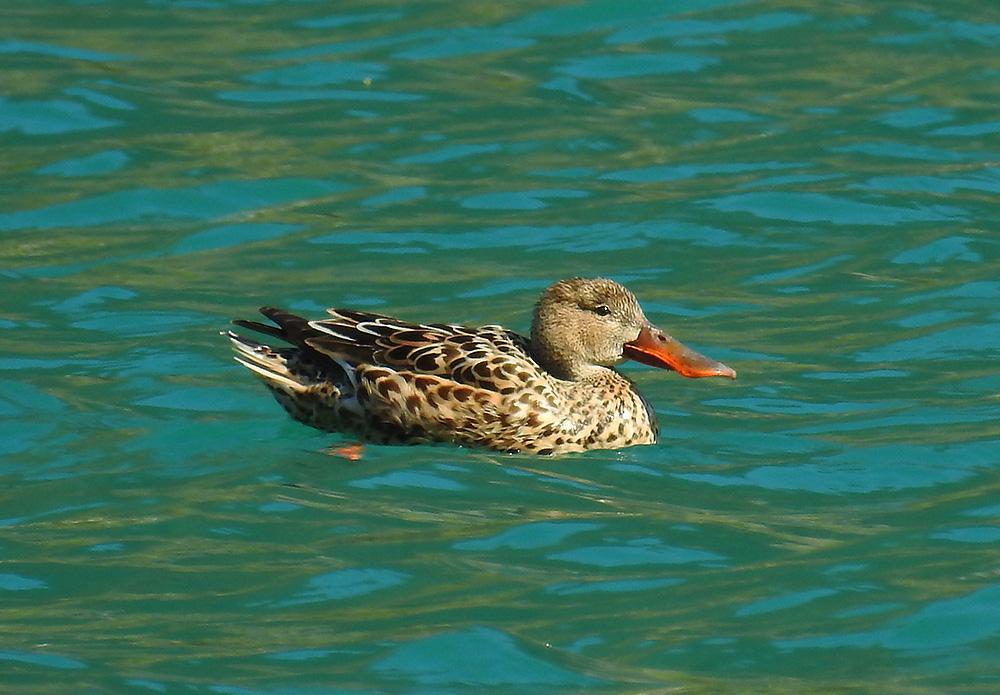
(602, 310)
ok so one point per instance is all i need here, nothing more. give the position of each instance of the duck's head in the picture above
(583, 324)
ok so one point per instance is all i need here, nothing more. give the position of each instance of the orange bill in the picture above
(657, 349)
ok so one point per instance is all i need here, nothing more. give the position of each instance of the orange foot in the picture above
(351, 452)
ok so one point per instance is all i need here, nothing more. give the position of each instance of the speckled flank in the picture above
(388, 381)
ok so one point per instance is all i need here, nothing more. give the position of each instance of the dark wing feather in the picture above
(265, 328)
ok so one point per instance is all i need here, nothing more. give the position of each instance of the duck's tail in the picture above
(270, 364)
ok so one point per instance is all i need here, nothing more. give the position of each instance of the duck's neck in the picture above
(562, 365)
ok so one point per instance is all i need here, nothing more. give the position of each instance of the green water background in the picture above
(805, 191)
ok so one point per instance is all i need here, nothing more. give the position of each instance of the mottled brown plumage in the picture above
(389, 381)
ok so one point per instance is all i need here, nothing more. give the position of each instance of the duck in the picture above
(383, 380)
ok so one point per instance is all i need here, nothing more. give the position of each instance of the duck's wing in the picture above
(488, 357)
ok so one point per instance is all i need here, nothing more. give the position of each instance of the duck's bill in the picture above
(657, 349)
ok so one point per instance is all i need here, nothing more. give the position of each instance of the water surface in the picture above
(806, 193)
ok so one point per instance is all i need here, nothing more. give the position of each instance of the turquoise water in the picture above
(804, 191)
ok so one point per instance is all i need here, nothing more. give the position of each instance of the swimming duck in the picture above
(389, 381)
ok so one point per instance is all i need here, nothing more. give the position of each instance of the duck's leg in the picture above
(352, 451)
